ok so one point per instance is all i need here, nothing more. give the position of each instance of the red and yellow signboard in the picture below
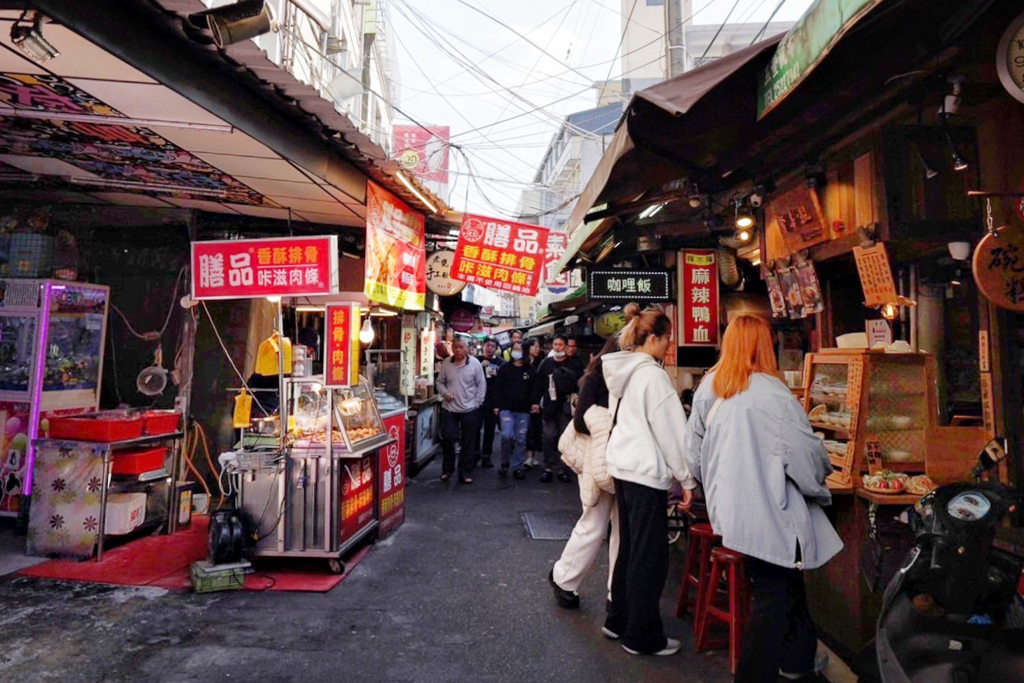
(249, 269)
(698, 298)
(501, 255)
(396, 251)
(357, 496)
(875, 275)
(341, 357)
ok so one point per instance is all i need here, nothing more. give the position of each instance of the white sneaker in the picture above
(821, 660)
(609, 634)
(671, 647)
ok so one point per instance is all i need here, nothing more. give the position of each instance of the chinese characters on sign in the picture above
(357, 496)
(698, 298)
(439, 274)
(423, 151)
(875, 275)
(500, 255)
(999, 267)
(798, 217)
(629, 285)
(396, 256)
(341, 345)
(248, 269)
(410, 342)
(391, 482)
(557, 242)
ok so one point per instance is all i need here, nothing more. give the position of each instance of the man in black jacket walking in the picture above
(557, 380)
(491, 362)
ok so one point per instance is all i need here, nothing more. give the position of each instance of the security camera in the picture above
(756, 200)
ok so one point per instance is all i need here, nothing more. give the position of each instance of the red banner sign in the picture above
(698, 298)
(391, 482)
(357, 491)
(341, 356)
(249, 269)
(396, 251)
(500, 255)
(423, 151)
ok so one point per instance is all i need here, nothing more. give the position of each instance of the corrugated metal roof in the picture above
(600, 120)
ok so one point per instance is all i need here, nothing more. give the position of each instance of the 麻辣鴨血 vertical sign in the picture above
(396, 252)
(501, 255)
(341, 345)
(698, 298)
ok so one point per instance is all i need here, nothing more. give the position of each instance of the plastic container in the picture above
(104, 430)
(125, 513)
(209, 578)
(158, 422)
(140, 461)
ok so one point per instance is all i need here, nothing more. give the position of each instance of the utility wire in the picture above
(719, 31)
(765, 27)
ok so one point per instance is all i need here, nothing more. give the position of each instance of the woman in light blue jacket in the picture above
(750, 444)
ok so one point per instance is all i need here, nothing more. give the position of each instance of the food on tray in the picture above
(818, 413)
(885, 481)
(360, 433)
(321, 437)
(919, 485)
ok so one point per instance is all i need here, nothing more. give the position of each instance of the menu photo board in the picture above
(500, 255)
(699, 314)
(629, 285)
(341, 346)
(251, 269)
(875, 275)
(396, 256)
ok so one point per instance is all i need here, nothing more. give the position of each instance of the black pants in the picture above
(641, 568)
(780, 634)
(554, 425)
(464, 428)
(490, 421)
(534, 440)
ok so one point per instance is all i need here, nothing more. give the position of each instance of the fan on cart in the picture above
(153, 380)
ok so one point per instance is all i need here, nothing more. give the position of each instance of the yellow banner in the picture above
(700, 259)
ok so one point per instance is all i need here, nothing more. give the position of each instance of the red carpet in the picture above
(163, 562)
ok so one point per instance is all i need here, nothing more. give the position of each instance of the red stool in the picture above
(695, 569)
(727, 564)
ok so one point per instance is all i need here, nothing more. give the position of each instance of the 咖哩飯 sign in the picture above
(623, 285)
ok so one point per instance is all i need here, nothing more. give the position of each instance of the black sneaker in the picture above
(565, 599)
(546, 477)
(486, 463)
(503, 471)
(518, 474)
(563, 476)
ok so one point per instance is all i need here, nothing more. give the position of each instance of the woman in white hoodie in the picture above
(645, 454)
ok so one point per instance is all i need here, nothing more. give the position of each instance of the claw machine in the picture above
(52, 336)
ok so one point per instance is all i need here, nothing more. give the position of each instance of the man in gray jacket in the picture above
(462, 385)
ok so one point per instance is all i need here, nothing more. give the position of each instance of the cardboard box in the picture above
(125, 513)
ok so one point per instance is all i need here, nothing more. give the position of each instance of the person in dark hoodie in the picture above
(513, 390)
(557, 379)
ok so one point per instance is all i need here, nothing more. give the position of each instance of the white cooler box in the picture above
(125, 512)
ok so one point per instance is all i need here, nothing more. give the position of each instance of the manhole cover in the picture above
(549, 526)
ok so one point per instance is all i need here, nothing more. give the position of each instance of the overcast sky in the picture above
(503, 94)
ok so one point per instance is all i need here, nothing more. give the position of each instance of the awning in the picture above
(544, 329)
(634, 162)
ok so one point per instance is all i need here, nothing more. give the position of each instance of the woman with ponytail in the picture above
(645, 455)
(750, 444)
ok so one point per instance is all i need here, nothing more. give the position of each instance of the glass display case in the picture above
(52, 335)
(352, 413)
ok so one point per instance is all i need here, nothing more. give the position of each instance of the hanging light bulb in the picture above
(743, 235)
(744, 220)
(890, 311)
(274, 299)
(366, 334)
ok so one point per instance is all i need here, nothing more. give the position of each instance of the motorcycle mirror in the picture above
(990, 456)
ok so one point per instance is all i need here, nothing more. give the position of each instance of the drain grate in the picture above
(549, 526)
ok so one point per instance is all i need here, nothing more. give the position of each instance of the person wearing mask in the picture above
(645, 454)
(491, 362)
(751, 445)
(513, 389)
(517, 336)
(462, 385)
(597, 489)
(557, 379)
(534, 436)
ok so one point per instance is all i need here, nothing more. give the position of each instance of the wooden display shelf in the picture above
(902, 499)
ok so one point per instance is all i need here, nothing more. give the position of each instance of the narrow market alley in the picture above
(458, 593)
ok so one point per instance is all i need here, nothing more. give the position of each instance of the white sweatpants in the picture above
(585, 543)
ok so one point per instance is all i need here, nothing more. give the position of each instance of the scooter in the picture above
(952, 612)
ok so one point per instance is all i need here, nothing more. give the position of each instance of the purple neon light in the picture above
(37, 394)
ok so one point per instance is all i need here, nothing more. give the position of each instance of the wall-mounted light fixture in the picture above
(28, 37)
(234, 23)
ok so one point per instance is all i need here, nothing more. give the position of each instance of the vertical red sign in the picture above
(341, 357)
(501, 255)
(357, 491)
(391, 478)
(698, 298)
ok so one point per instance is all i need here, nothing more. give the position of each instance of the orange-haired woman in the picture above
(750, 444)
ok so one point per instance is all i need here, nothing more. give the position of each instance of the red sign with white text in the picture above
(249, 269)
(357, 491)
(423, 151)
(341, 357)
(698, 298)
(500, 255)
(396, 251)
(391, 479)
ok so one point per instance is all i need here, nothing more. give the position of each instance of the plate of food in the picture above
(920, 485)
(885, 482)
(818, 413)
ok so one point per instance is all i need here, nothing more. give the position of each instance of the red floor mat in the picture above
(163, 562)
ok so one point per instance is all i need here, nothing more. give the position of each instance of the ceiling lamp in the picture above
(366, 334)
(234, 23)
(28, 37)
(743, 235)
(652, 211)
(744, 219)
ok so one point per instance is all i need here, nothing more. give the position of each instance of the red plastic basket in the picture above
(95, 429)
(137, 462)
(161, 422)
